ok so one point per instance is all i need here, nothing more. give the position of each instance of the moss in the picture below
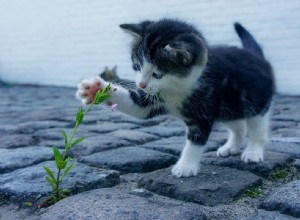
(253, 192)
(280, 174)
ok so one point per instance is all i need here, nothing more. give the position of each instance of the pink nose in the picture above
(142, 85)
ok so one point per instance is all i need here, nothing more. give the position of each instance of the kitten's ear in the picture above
(136, 30)
(179, 53)
(133, 29)
(115, 69)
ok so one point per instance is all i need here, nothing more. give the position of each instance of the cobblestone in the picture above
(142, 152)
(16, 140)
(272, 162)
(116, 204)
(28, 184)
(212, 186)
(286, 200)
(122, 159)
(12, 159)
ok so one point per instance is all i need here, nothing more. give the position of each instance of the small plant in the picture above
(280, 174)
(253, 192)
(62, 161)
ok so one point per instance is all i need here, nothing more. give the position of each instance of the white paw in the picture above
(227, 150)
(87, 89)
(253, 155)
(184, 170)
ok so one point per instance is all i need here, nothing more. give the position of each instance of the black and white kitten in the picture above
(199, 84)
(110, 75)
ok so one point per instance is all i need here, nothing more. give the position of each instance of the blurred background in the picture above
(60, 42)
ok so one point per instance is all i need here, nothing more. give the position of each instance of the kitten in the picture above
(179, 74)
(112, 77)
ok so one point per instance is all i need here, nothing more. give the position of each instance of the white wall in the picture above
(60, 42)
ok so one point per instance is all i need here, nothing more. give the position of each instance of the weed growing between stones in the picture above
(63, 162)
(253, 192)
(280, 174)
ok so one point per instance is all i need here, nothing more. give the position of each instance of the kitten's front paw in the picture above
(87, 89)
(184, 170)
(253, 155)
(227, 150)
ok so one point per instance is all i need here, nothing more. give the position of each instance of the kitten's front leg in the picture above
(189, 162)
(136, 103)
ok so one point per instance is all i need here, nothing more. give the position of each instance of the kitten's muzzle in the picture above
(142, 85)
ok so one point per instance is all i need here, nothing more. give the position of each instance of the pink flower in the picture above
(114, 107)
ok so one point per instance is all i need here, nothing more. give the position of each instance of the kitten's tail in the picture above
(248, 40)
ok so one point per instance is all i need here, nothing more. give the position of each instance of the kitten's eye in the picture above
(136, 67)
(156, 75)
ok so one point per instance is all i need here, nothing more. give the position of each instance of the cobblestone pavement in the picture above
(122, 169)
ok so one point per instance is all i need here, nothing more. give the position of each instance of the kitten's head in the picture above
(166, 54)
(109, 74)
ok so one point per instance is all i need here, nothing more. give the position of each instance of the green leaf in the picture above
(67, 170)
(101, 98)
(77, 141)
(68, 159)
(50, 173)
(66, 191)
(62, 164)
(53, 184)
(65, 137)
(57, 156)
(28, 204)
(79, 116)
(106, 90)
(102, 95)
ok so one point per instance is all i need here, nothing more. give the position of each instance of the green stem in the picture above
(57, 184)
(67, 149)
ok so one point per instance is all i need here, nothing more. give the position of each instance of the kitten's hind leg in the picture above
(258, 137)
(237, 133)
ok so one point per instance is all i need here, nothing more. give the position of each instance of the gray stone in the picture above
(164, 131)
(113, 204)
(286, 199)
(212, 186)
(96, 144)
(136, 137)
(292, 115)
(32, 126)
(130, 159)
(8, 128)
(261, 214)
(47, 114)
(286, 139)
(121, 117)
(12, 159)
(13, 212)
(105, 127)
(16, 140)
(272, 161)
(174, 145)
(297, 164)
(52, 143)
(286, 132)
(292, 149)
(55, 133)
(218, 136)
(282, 124)
(29, 184)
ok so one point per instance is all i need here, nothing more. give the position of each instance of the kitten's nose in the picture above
(142, 85)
